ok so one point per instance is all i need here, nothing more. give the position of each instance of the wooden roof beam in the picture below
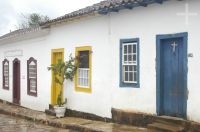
(159, 1)
(143, 4)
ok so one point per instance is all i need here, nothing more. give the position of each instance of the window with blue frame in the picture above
(129, 63)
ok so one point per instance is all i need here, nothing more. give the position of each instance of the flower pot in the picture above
(60, 111)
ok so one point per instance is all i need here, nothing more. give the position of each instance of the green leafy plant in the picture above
(63, 71)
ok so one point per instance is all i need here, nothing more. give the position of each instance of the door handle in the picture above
(187, 93)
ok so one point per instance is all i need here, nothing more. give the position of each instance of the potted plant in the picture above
(63, 71)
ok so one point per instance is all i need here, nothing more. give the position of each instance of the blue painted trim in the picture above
(121, 83)
(159, 38)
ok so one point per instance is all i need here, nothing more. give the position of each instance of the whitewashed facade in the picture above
(103, 33)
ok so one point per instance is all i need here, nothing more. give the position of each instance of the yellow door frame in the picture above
(55, 90)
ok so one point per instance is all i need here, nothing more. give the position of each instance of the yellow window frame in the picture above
(78, 88)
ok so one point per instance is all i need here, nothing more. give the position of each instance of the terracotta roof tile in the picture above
(20, 32)
(102, 7)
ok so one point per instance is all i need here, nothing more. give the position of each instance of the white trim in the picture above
(83, 77)
(128, 62)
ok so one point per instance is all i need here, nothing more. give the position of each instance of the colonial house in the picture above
(141, 56)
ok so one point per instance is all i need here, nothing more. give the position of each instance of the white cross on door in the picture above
(174, 46)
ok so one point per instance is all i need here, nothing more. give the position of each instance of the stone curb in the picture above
(50, 122)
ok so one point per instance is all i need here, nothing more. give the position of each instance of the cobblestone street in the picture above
(13, 124)
(15, 119)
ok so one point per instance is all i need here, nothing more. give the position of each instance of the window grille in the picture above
(129, 62)
(83, 70)
(83, 78)
(32, 76)
(5, 74)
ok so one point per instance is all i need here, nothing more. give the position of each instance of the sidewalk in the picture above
(73, 123)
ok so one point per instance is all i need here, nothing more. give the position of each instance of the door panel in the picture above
(56, 55)
(16, 81)
(172, 77)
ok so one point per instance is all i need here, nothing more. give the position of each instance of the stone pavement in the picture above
(77, 124)
(15, 124)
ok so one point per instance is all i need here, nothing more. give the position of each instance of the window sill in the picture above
(129, 85)
(6, 88)
(32, 94)
(83, 89)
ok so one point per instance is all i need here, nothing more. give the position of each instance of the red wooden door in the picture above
(16, 81)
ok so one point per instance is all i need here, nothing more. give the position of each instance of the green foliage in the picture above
(31, 20)
(35, 19)
(59, 99)
(63, 71)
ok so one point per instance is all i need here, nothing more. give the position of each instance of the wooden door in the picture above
(57, 54)
(16, 81)
(173, 77)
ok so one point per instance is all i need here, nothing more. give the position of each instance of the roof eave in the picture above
(25, 36)
(69, 19)
(101, 10)
(128, 5)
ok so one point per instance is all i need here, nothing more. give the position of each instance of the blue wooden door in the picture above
(173, 92)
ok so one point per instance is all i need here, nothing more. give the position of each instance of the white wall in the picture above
(103, 34)
(88, 32)
(145, 23)
(31, 48)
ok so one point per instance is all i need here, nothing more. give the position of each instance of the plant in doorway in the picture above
(63, 71)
